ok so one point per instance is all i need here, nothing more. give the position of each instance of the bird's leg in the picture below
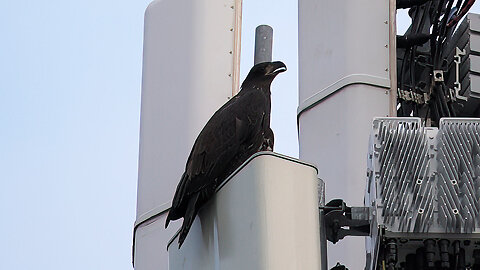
(268, 139)
(267, 145)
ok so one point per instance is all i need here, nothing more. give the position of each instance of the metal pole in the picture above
(158, 173)
(237, 47)
(263, 44)
(323, 229)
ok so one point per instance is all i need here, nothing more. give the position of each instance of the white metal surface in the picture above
(339, 40)
(264, 217)
(190, 65)
(351, 79)
(150, 244)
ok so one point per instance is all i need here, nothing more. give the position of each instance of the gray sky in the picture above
(69, 109)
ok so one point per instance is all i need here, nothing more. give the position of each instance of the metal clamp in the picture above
(438, 75)
(419, 98)
(338, 215)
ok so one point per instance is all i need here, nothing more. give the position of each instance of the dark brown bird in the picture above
(239, 129)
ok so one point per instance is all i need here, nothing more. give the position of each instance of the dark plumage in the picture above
(240, 128)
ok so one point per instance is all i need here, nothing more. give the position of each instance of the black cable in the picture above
(445, 19)
(433, 101)
(450, 104)
(403, 109)
(420, 28)
(412, 78)
(440, 15)
(410, 40)
(442, 107)
(445, 108)
(449, 33)
(442, 33)
(465, 7)
(410, 3)
(427, 113)
(435, 113)
(443, 101)
(435, 31)
(402, 80)
(416, 29)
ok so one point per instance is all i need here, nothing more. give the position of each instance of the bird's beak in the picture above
(277, 67)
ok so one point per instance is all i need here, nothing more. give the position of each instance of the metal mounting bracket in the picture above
(457, 86)
(338, 216)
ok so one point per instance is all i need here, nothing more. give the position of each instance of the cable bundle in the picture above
(422, 58)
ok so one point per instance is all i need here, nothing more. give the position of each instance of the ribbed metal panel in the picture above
(426, 180)
(401, 169)
(458, 175)
(423, 183)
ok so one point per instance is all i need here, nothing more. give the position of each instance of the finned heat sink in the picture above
(425, 179)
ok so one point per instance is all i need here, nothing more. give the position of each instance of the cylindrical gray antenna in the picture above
(263, 44)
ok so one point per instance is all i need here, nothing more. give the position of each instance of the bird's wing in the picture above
(231, 130)
(197, 165)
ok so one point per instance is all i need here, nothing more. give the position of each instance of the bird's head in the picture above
(262, 74)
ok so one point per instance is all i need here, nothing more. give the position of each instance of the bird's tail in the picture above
(190, 215)
(175, 211)
(168, 219)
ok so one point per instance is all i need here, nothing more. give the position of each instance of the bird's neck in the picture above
(265, 88)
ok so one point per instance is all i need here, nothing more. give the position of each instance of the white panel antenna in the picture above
(190, 68)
